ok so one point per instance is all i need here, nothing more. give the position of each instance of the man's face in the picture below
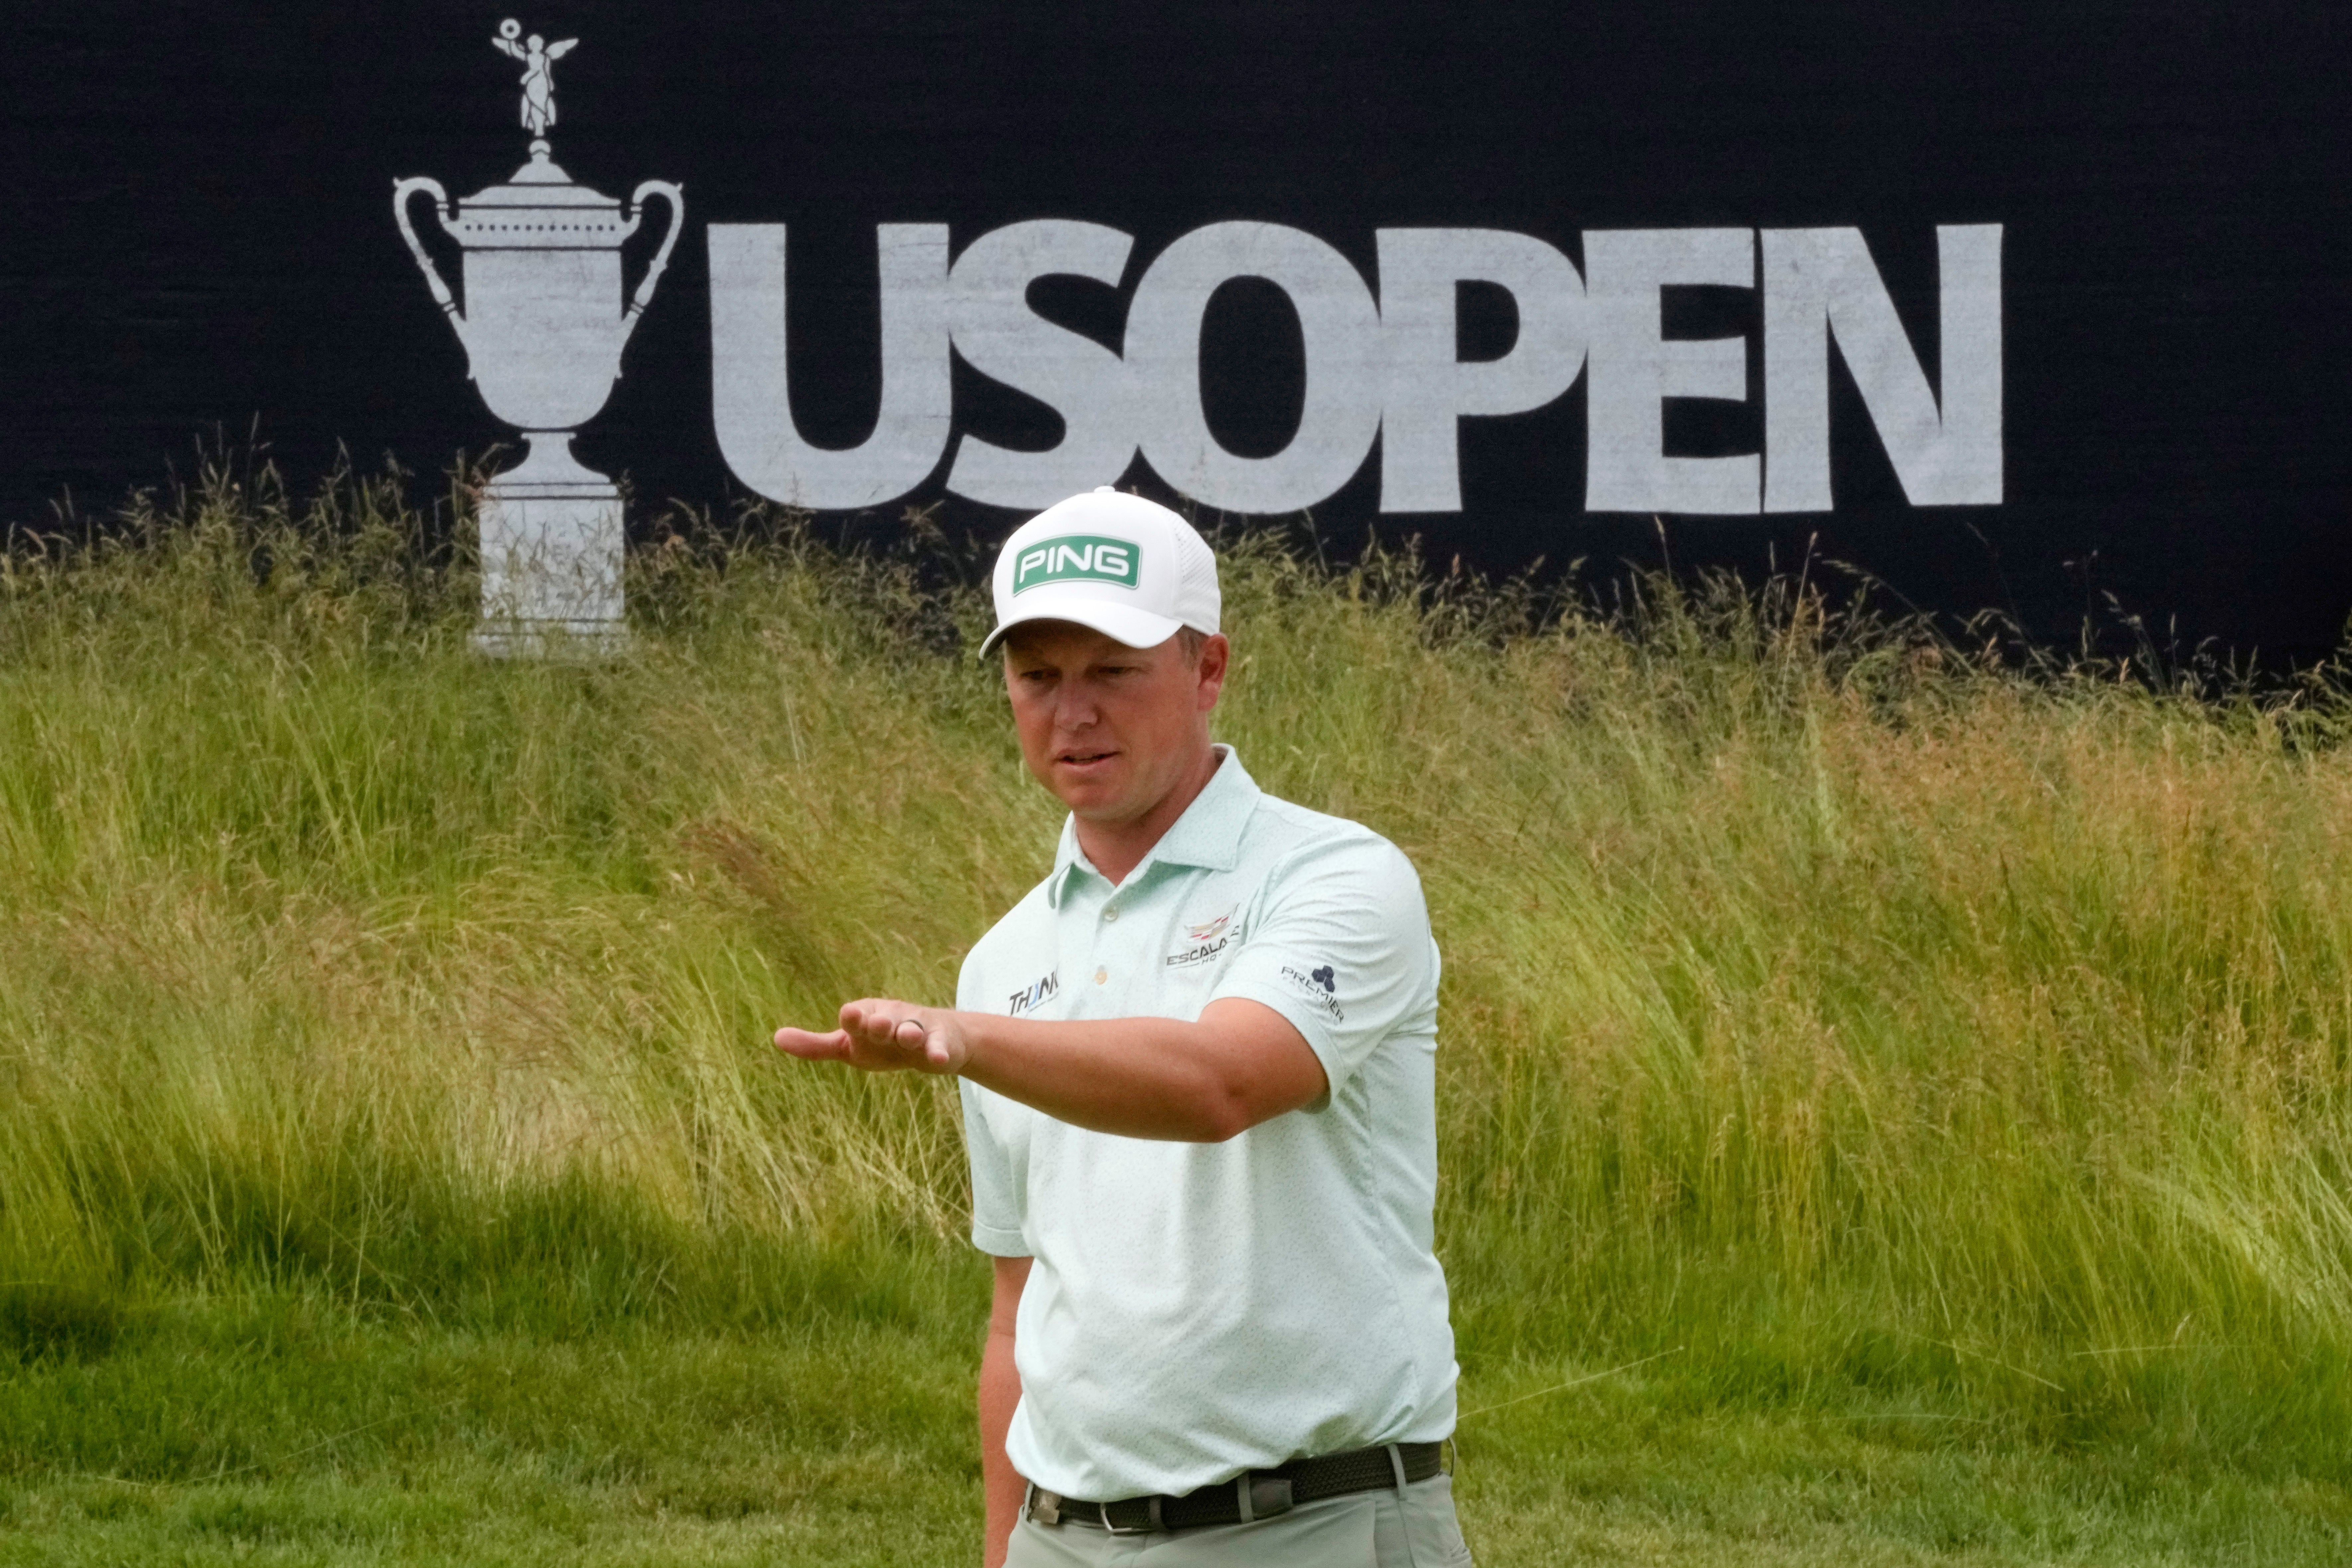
(1110, 729)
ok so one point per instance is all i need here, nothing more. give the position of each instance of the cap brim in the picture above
(1120, 623)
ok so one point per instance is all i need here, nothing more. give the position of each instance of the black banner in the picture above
(2011, 306)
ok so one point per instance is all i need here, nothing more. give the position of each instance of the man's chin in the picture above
(1095, 796)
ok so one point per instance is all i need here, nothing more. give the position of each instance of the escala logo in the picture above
(1208, 931)
(1077, 557)
(1204, 943)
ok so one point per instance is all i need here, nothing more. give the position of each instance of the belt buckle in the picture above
(1151, 1525)
(1261, 1495)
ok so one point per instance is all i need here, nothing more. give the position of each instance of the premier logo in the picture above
(1321, 984)
(1077, 557)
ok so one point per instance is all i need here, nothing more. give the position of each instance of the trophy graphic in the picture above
(543, 323)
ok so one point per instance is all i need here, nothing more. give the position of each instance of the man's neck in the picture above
(1116, 849)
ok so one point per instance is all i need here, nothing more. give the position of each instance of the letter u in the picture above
(751, 400)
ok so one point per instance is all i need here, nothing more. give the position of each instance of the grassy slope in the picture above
(1944, 1076)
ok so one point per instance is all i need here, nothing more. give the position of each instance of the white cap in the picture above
(1128, 567)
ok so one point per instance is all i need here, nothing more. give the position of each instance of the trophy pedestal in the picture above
(551, 555)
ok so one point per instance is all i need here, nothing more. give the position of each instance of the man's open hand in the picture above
(878, 1035)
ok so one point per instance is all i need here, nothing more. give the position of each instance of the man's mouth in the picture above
(1084, 759)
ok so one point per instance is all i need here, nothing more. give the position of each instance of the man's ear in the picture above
(1216, 659)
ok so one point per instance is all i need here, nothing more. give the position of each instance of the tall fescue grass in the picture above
(1850, 1020)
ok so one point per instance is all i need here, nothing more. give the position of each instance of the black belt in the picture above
(1253, 1494)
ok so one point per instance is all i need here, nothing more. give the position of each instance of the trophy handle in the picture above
(676, 199)
(403, 191)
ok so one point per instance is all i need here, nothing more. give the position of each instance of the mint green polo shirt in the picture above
(1198, 1309)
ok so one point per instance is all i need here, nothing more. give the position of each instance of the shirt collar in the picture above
(1207, 836)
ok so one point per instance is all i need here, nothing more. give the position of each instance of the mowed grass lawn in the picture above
(1893, 1108)
(279, 1431)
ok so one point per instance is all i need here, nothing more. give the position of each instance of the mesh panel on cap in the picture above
(1196, 579)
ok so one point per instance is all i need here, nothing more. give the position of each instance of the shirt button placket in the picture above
(1109, 917)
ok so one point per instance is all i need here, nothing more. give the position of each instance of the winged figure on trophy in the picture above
(538, 57)
(544, 322)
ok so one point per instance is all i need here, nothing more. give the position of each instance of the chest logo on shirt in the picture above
(1202, 943)
(1036, 995)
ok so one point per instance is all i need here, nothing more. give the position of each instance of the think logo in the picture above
(1075, 557)
(1036, 995)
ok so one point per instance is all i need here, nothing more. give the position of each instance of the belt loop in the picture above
(1396, 1463)
(1157, 1523)
(1241, 1494)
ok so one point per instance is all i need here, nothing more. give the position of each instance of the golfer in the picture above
(1197, 1065)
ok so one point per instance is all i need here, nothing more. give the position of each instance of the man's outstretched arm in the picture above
(1240, 1063)
(1000, 1390)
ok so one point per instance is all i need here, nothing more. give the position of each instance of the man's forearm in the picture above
(1201, 1081)
(1000, 1392)
(1149, 1077)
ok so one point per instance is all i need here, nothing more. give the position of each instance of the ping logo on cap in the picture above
(1077, 557)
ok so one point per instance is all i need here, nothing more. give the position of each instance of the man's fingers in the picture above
(882, 1023)
(876, 1035)
(830, 1047)
(872, 1021)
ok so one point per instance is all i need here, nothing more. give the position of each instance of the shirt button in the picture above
(1110, 914)
(1102, 976)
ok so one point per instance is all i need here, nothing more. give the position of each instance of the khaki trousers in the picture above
(1415, 1528)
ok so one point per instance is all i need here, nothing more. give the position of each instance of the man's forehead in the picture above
(1063, 642)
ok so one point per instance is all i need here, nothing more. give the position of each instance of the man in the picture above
(1197, 1068)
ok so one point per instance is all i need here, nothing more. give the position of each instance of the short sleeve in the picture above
(1340, 947)
(997, 1209)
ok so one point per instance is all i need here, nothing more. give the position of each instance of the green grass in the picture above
(278, 1429)
(1938, 1078)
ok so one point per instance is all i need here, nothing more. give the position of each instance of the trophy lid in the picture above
(540, 208)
